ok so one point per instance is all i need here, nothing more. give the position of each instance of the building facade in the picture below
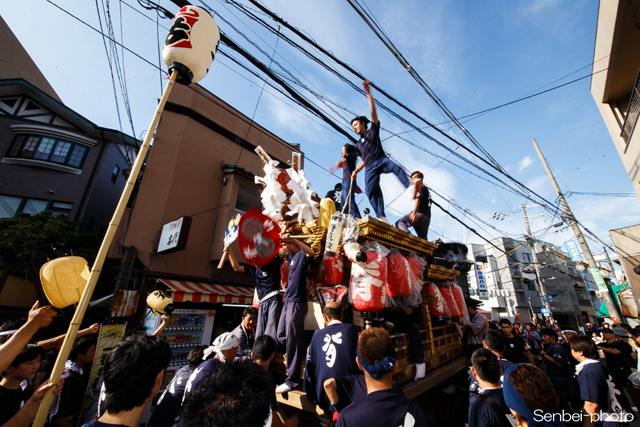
(512, 289)
(615, 82)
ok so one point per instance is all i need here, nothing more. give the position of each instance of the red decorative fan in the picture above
(258, 237)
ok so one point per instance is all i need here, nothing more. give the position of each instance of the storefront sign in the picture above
(482, 284)
(572, 249)
(174, 235)
(597, 277)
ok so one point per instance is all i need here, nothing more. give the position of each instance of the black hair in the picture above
(333, 313)
(237, 394)
(420, 174)
(585, 345)
(486, 365)
(494, 340)
(626, 327)
(263, 347)
(505, 322)
(131, 369)
(362, 119)
(338, 186)
(81, 346)
(28, 353)
(250, 310)
(350, 148)
(196, 354)
(635, 332)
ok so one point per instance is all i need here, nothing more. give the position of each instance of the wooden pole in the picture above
(70, 337)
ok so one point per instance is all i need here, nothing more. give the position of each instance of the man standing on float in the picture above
(372, 157)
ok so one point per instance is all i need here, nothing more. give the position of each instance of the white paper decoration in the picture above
(301, 202)
(191, 44)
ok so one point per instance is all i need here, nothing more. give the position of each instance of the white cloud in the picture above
(536, 184)
(525, 163)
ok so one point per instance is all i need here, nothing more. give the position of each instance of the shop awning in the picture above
(206, 292)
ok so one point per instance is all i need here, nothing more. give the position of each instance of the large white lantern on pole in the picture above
(191, 44)
(188, 53)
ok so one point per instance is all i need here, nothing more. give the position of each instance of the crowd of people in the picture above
(519, 376)
(553, 376)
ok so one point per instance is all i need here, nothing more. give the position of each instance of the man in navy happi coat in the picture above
(373, 157)
(267, 279)
(291, 326)
(331, 354)
(382, 406)
(597, 387)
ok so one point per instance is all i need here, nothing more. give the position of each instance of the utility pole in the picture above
(541, 290)
(595, 271)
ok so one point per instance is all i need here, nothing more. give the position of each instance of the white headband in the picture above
(225, 341)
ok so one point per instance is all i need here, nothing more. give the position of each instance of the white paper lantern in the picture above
(191, 44)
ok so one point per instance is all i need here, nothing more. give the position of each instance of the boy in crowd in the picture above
(489, 410)
(168, 406)
(291, 326)
(420, 217)
(237, 394)
(373, 157)
(556, 367)
(516, 349)
(382, 406)
(597, 387)
(66, 411)
(494, 342)
(23, 367)
(133, 375)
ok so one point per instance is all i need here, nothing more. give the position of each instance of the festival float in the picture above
(365, 265)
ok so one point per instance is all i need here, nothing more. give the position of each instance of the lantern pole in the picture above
(70, 337)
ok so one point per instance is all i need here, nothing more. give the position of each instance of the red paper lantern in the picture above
(438, 308)
(445, 290)
(458, 297)
(398, 275)
(368, 283)
(416, 267)
(333, 269)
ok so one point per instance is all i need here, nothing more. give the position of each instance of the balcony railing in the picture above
(584, 302)
(633, 111)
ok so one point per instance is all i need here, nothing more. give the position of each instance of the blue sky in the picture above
(473, 55)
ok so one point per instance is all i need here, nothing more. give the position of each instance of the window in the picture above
(528, 258)
(61, 208)
(54, 150)
(9, 206)
(248, 198)
(34, 206)
(531, 285)
(116, 170)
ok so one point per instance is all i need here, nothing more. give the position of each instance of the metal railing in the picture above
(583, 302)
(633, 111)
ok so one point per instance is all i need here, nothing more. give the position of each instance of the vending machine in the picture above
(186, 329)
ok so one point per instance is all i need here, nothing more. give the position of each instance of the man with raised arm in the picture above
(373, 157)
